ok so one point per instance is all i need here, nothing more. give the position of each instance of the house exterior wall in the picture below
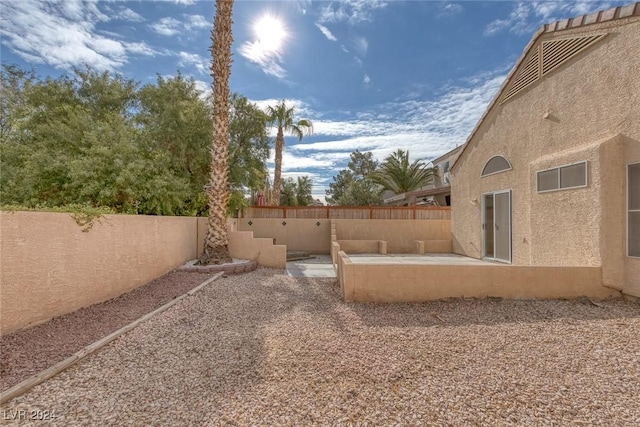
(631, 265)
(587, 109)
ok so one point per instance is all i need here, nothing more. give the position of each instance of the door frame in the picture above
(483, 230)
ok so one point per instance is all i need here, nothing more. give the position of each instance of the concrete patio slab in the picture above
(318, 266)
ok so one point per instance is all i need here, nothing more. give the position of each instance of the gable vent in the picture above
(547, 58)
(556, 52)
(527, 76)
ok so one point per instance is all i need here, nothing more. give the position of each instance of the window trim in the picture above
(628, 210)
(586, 177)
(500, 171)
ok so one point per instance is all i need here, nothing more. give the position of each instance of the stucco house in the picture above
(550, 176)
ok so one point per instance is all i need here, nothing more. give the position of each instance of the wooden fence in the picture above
(348, 212)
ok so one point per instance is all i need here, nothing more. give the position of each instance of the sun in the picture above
(270, 32)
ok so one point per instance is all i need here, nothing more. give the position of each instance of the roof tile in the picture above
(591, 19)
(576, 22)
(608, 15)
(628, 10)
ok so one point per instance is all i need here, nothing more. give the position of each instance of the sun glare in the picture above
(270, 32)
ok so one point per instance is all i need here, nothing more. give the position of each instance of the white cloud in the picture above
(448, 9)
(197, 21)
(184, 2)
(193, 59)
(366, 80)
(166, 26)
(170, 26)
(269, 61)
(140, 48)
(63, 35)
(204, 88)
(427, 128)
(351, 11)
(127, 14)
(361, 45)
(326, 32)
(292, 162)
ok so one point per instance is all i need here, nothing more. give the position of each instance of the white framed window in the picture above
(633, 210)
(562, 177)
(496, 164)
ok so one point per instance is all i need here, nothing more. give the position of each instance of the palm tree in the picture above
(283, 118)
(216, 241)
(397, 175)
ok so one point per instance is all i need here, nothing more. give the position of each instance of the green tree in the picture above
(352, 186)
(248, 150)
(176, 120)
(288, 190)
(398, 175)
(303, 191)
(216, 241)
(283, 119)
(13, 84)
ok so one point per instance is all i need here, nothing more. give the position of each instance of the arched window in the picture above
(496, 164)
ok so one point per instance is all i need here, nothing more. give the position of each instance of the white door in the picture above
(496, 225)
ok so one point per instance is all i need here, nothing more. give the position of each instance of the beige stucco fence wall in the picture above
(314, 235)
(49, 266)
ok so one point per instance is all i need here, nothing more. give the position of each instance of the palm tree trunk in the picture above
(216, 241)
(277, 175)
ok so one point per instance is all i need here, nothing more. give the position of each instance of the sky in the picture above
(373, 75)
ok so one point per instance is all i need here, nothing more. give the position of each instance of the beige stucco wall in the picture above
(314, 235)
(415, 283)
(297, 234)
(592, 105)
(49, 266)
(244, 245)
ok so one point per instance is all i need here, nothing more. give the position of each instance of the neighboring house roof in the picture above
(616, 13)
(447, 154)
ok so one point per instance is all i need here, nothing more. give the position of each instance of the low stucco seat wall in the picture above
(363, 246)
(399, 234)
(432, 246)
(393, 282)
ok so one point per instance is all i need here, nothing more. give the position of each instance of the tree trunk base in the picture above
(217, 255)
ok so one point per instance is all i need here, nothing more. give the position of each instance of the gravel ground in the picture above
(273, 350)
(25, 353)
